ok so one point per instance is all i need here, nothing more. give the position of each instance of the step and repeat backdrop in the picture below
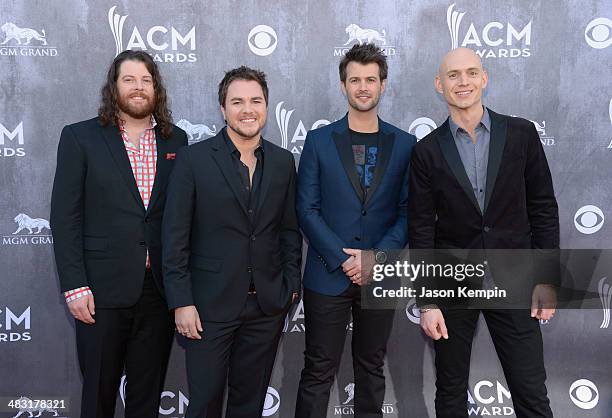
(548, 61)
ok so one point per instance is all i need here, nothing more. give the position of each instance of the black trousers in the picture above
(138, 339)
(240, 352)
(518, 342)
(326, 319)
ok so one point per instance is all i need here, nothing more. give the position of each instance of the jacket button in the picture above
(364, 213)
(252, 237)
(486, 229)
(357, 238)
(142, 243)
(250, 269)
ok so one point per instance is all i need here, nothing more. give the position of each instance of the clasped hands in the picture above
(360, 262)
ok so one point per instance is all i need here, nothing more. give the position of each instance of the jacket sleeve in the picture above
(176, 231)
(396, 237)
(290, 237)
(66, 217)
(319, 235)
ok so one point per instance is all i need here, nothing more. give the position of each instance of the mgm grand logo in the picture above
(347, 408)
(29, 231)
(26, 42)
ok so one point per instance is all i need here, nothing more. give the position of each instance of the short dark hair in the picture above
(242, 73)
(364, 54)
(109, 109)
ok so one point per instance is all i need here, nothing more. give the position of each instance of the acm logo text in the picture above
(14, 326)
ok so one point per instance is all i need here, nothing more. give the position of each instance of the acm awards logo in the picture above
(196, 132)
(172, 403)
(175, 403)
(589, 219)
(347, 408)
(493, 40)
(262, 40)
(294, 322)
(293, 139)
(25, 42)
(598, 33)
(29, 231)
(12, 141)
(584, 394)
(167, 45)
(610, 114)
(605, 294)
(14, 326)
(358, 35)
(489, 399)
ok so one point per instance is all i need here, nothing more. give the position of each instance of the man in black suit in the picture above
(106, 211)
(232, 251)
(481, 181)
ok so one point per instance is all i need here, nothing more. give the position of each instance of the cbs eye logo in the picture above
(272, 402)
(262, 40)
(589, 219)
(584, 394)
(597, 33)
(412, 312)
(421, 127)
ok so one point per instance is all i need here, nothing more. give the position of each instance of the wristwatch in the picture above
(380, 256)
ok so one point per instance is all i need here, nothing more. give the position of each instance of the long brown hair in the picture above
(109, 109)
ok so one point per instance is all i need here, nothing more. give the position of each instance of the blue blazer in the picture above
(334, 212)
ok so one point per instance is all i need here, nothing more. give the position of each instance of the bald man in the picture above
(481, 181)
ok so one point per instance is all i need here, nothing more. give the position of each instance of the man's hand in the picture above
(433, 324)
(543, 301)
(83, 309)
(358, 263)
(188, 322)
(352, 266)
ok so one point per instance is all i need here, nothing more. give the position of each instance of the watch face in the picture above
(380, 257)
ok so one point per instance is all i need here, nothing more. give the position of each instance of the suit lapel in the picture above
(385, 147)
(223, 159)
(497, 144)
(113, 139)
(451, 155)
(345, 151)
(161, 170)
(268, 168)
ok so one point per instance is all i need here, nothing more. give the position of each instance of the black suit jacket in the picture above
(210, 248)
(101, 230)
(520, 209)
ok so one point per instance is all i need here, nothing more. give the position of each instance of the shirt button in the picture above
(250, 211)
(486, 229)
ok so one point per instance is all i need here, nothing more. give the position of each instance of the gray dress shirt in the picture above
(475, 156)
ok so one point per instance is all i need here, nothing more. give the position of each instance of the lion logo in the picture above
(194, 131)
(25, 222)
(360, 35)
(12, 31)
(31, 411)
(350, 392)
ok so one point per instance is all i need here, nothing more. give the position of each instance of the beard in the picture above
(250, 134)
(135, 110)
(364, 107)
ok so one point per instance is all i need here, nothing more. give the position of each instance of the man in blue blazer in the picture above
(352, 206)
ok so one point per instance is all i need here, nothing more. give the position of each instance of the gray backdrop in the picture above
(548, 61)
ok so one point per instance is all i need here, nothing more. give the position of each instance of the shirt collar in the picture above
(121, 124)
(231, 147)
(485, 122)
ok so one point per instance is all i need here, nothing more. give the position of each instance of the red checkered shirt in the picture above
(144, 165)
